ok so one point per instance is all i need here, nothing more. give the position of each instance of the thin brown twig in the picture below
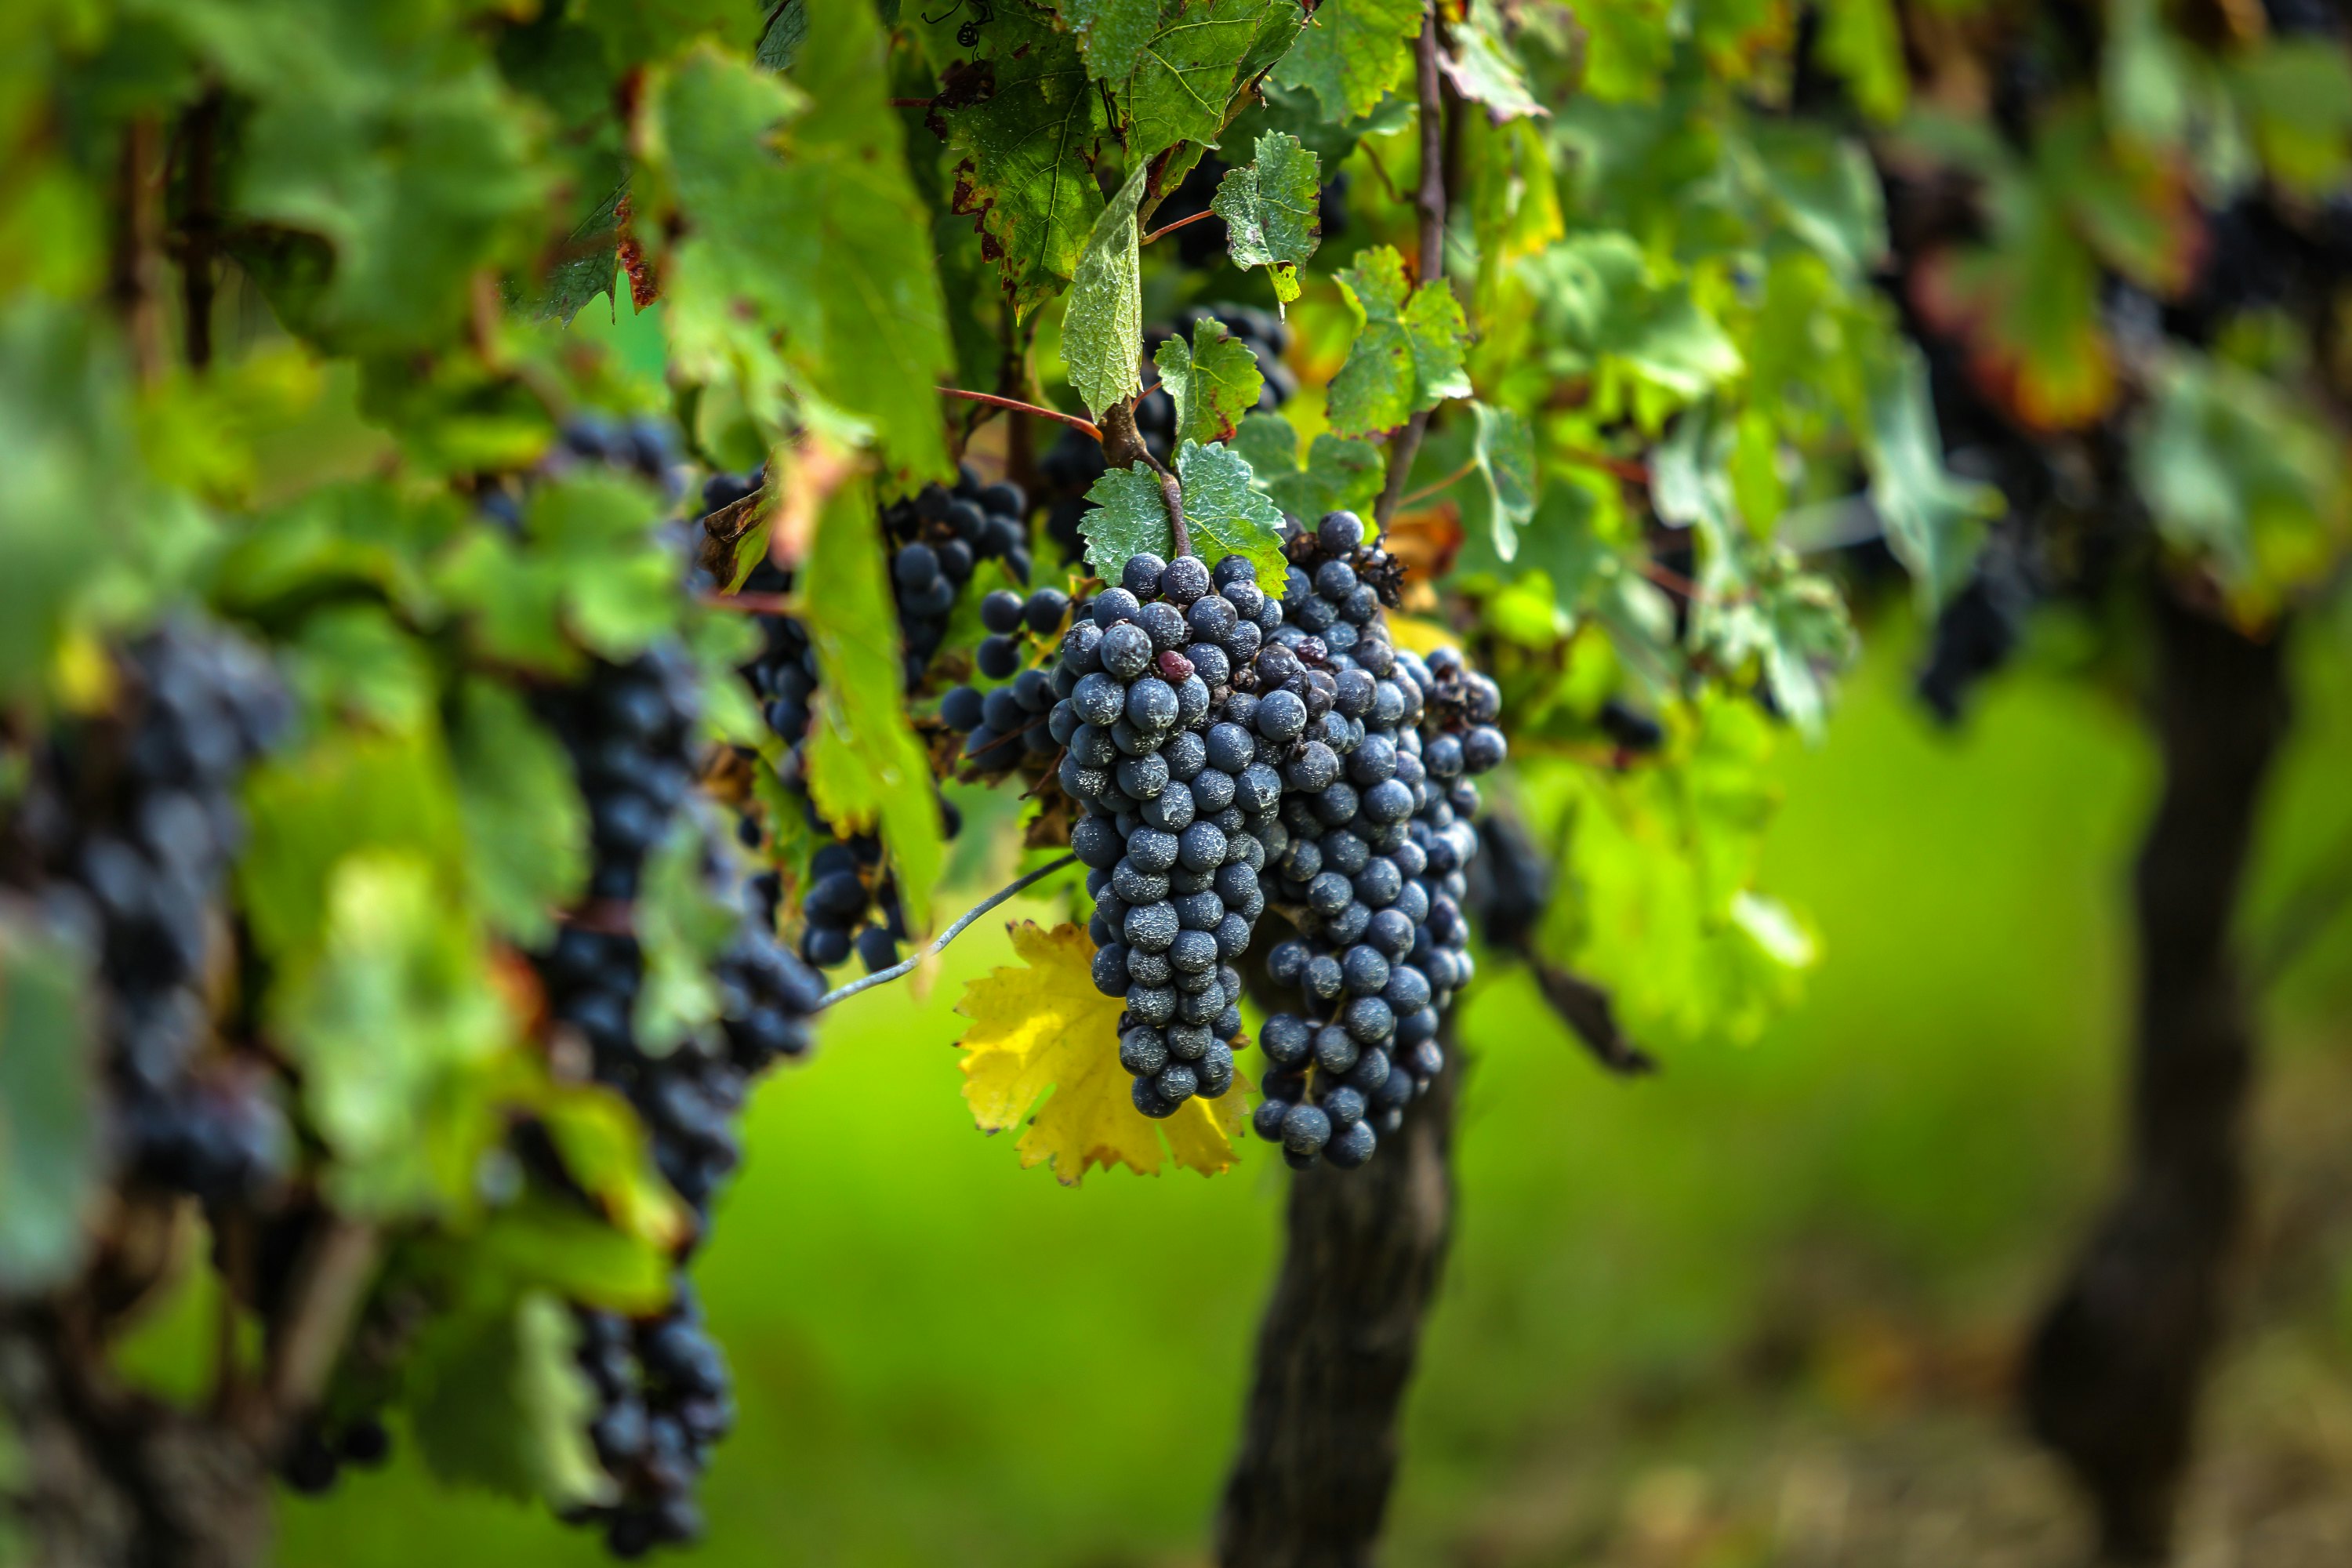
(1625, 468)
(1668, 578)
(749, 603)
(328, 1291)
(1171, 228)
(910, 102)
(1372, 156)
(1017, 406)
(1450, 480)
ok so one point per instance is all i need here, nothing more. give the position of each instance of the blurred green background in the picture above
(1757, 1309)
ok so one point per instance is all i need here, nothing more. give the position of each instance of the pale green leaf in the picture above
(1102, 328)
(1180, 85)
(1408, 353)
(865, 766)
(393, 1020)
(502, 1403)
(1505, 450)
(52, 1145)
(1213, 380)
(1934, 519)
(1351, 52)
(1273, 211)
(1128, 518)
(810, 266)
(1225, 514)
(1027, 151)
(526, 828)
(1484, 71)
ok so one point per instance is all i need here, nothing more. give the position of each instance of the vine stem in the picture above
(1171, 228)
(905, 966)
(1430, 199)
(1017, 406)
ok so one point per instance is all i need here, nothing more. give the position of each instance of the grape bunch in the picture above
(850, 906)
(1160, 756)
(1006, 726)
(939, 537)
(124, 832)
(1376, 807)
(662, 1383)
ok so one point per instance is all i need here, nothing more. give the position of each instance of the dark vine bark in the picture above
(1319, 1452)
(106, 1479)
(2117, 1365)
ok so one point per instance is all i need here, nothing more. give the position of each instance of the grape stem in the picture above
(1171, 228)
(1017, 406)
(907, 965)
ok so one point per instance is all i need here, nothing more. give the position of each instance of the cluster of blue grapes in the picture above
(938, 538)
(661, 1380)
(851, 905)
(1377, 806)
(1161, 756)
(123, 831)
(1007, 725)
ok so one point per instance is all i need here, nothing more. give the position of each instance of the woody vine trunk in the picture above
(2120, 1357)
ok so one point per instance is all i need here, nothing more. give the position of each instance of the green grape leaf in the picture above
(63, 404)
(865, 765)
(1224, 512)
(1273, 211)
(1227, 515)
(52, 1145)
(351, 790)
(394, 1021)
(526, 829)
(1111, 34)
(589, 568)
(1408, 353)
(607, 1149)
(2243, 478)
(1340, 475)
(1598, 306)
(1180, 86)
(1934, 519)
(1484, 71)
(826, 246)
(1027, 150)
(780, 42)
(1129, 518)
(1755, 603)
(1102, 326)
(682, 926)
(396, 145)
(502, 1403)
(1351, 52)
(553, 1243)
(1212, 382)
(1505, 451)
(1298, 113)
(1863, 42)
(1657, 868)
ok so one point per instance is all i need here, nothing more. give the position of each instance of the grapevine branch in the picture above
(1180, 223)
(1430, 199)
(907, 965)
(1017, 406)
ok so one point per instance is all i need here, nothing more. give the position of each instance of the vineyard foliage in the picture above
(305, 307)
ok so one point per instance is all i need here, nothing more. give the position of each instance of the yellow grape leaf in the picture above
(1045, 1027)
